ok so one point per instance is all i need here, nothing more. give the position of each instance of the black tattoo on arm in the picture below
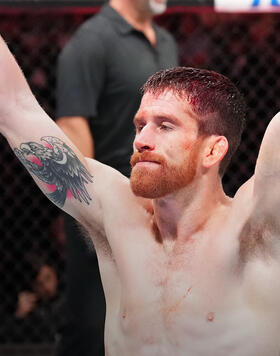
(56, 164)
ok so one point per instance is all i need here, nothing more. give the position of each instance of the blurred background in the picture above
(243, 46)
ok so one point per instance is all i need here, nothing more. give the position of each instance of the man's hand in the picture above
(26, 304)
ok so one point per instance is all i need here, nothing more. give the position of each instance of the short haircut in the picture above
(219, 105)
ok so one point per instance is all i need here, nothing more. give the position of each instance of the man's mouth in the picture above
(145, 159)
(146, 163)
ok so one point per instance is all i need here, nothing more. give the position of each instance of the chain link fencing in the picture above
(246, 48)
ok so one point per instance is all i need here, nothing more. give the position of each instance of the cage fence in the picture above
(244, 47)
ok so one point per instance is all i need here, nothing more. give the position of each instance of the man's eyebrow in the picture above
(161, 117)
(170, 118)
(137, 119)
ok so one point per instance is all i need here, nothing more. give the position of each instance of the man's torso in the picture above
(209, 295)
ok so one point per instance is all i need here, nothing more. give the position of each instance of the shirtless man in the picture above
(186, 270)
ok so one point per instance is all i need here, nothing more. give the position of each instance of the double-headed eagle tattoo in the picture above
(56, 164)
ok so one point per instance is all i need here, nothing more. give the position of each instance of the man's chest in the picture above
(192, 308)
(204, 270)
(200, 311)
(202, 295)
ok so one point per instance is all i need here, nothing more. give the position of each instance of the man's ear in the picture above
(215, 150)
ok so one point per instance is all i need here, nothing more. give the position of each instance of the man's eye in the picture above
(165, 127)
(139, 128)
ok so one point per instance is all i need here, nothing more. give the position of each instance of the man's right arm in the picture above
(57, 166)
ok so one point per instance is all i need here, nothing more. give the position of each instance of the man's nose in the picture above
(144, 140)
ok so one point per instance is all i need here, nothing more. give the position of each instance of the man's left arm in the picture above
(267, 173)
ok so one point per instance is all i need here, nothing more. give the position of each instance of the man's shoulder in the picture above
(245, 190)
(242, 204)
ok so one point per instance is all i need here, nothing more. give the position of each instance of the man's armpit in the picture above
(56, 165)
(95, 236)
(257, 237)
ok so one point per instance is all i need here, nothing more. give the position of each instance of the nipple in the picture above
(210, 317)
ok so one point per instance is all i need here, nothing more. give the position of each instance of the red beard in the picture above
(163, 178)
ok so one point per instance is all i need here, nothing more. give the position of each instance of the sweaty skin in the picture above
(210, 284)
(198, 297)
(190, 272)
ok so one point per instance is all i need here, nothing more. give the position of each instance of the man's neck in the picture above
(141, 21)
(178, 217)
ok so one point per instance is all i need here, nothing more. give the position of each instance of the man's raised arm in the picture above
(267, 172)
(54, 162)
(268, 162)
